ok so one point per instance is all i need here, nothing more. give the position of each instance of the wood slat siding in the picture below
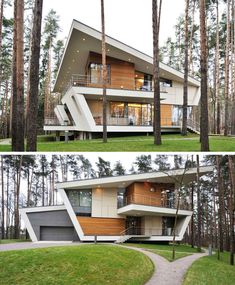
(101, 226)
(166, 115)
(123, 77)
(139, 193)
(122, 72)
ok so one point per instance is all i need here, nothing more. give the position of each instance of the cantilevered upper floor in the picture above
(128, 68)
(136, 206)
(129, 87)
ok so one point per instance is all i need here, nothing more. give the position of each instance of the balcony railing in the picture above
(55, 122)
(147, 201)
(141, 231)
(125, 83)
(117, 121)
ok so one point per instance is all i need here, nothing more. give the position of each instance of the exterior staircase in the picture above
(193, 126)
(123, 239)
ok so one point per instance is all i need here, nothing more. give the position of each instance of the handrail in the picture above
(122, 233)
(53, 121)
(193, 125)
(141, 231)
(125, 121)
(78, 80)
(149, 201)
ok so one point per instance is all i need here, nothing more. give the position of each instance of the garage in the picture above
(57, 233)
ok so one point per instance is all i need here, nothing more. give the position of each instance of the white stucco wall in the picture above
(152, 225)
(104, 203)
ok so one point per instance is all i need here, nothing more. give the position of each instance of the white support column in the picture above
(28, 225)
(71, 213)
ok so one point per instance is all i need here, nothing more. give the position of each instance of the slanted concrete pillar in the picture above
(66, 138)
(90, 136)
(57, 134)
(81, 138)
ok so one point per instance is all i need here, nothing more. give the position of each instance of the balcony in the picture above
(53, 121)
(125, 83)
(116, 121)
(138, 199)
(148, 232)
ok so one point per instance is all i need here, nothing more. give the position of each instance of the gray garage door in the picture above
(57, 233)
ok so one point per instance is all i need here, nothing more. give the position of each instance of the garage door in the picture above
(57, 233)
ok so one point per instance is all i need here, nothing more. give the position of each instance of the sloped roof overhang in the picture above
(82, 39)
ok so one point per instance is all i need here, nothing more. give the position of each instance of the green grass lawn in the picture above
(170, 143)
(80, 265)
(210, 271)
(6, 241)
(165, 250)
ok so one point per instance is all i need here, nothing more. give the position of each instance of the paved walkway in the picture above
(169, 273)
(166, 273)
(31, 245)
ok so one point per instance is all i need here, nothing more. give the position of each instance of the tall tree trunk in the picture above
(47, 97)
(227, 66)
(17, 196)
(199, 212)
(191, 66)
(7, 203)
(221, 205)
(204, 124)
(3, 201)
(156, 71)
(32, 112)
(233, 71)
(192, 220)
(104, 74)
(18, 78)
(217, 69)
(14, 84)
(186, 69)
(5, 118)
(1, 24)
(232, 206)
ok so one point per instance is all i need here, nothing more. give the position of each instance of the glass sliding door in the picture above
(132, 114)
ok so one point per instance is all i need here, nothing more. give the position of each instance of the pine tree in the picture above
(156, 18)
(32, 114)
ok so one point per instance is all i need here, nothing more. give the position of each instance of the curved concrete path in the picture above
(168, 273)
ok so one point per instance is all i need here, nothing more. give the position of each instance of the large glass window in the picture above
(143, 81)
(137, 114)
(165, 82)
(95, 73)
(81, 201)
(84, 198)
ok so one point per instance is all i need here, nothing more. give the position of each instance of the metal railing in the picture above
(141, 231)
(124, 121)
(55, 122)
(193, 125)
(125, 83)
(147, 201)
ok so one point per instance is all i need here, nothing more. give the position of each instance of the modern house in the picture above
(129, 89)
(137, 207)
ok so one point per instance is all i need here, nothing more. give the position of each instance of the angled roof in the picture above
(82, 39)
(169, 176)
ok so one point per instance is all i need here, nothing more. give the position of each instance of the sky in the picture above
(129, 21)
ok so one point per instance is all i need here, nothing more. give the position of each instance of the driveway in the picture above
(31, 245)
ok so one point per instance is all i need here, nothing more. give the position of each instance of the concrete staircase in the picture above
(193, 126)
(123, 239)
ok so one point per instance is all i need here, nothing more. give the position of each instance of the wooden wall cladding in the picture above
(140, 193)
(122, 72)
(166, 115)
(102, 226)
